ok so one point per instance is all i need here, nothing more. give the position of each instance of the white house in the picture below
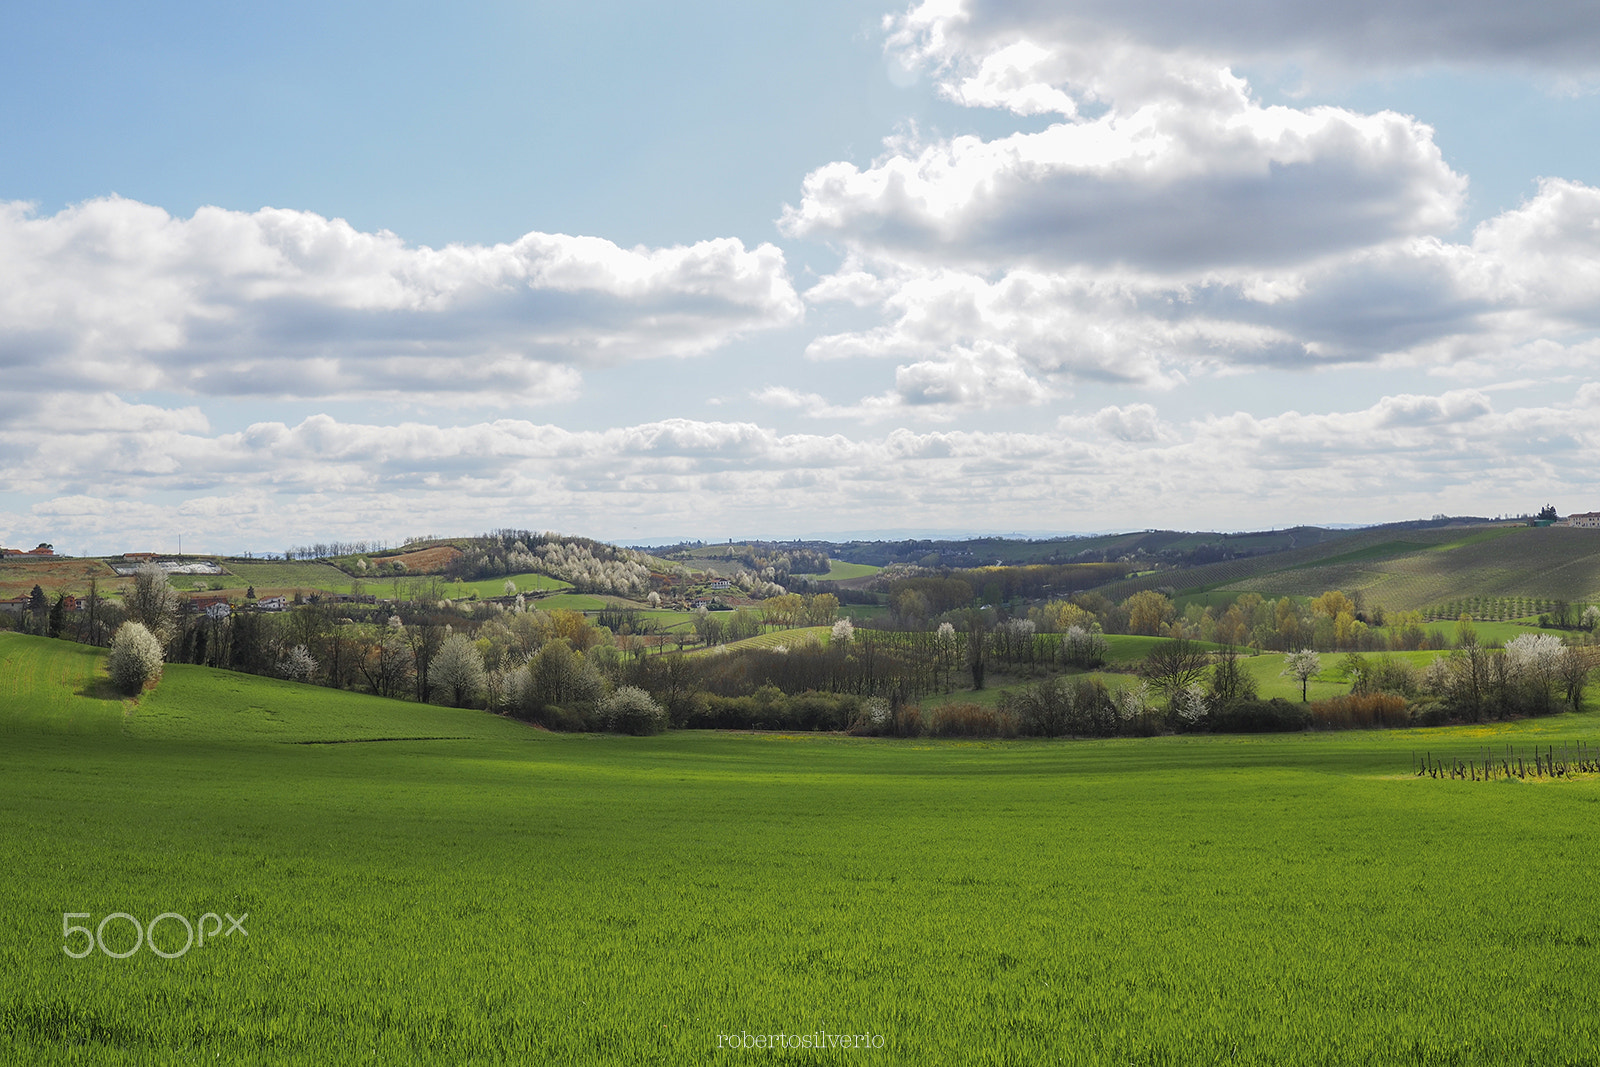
(273, 603)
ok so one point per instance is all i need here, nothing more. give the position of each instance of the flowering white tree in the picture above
(1189, 704)
(135, 659)
(1591, 618)
(457, 670)
(1132, 702)
(1301, 665)
(843, 632)
(1535, 661)
(298, 665)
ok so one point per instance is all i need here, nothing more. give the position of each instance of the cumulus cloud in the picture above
(1164, 189)
(115, 294)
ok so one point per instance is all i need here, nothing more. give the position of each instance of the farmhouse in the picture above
(214, 605)
(1588, 520)
(273, 603)
(17, 605)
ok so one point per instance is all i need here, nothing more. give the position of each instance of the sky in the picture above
(273, 275)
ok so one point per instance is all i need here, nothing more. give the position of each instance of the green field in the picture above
(294, 575)
(515, 896)
(570, 602)
(488, 587)
(839, 571)
(791, 637)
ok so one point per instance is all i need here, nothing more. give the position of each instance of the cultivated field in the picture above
(290, 575)
(54, 576)
(518, 896)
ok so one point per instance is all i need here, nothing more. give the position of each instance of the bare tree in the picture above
(1175, 665)
(152, 602)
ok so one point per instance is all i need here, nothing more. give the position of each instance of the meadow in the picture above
(840, 571)
(509, 895)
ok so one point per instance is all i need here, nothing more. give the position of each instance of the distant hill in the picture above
(1406, 569)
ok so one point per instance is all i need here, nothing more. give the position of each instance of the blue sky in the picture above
(643, 271)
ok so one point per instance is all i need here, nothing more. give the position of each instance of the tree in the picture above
(38, 609)
(1534, 662)
(1084, 648)
(1302, 665)
(458, 670)
(135, 659)
(58, 615)
(298, 665)
(1574, 674)
(843, 632)
(1231, 684)
(821, 609)
(153, 602)
(1148, 612)
(387, 665)
(1175, 665)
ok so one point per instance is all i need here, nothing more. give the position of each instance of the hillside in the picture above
(1409, 570)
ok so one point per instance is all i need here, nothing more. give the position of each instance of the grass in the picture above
(297, 575)
(787, 638)
(840, 571)
(490, 587)
(569, 602)
(526, 897)
(1497, 562)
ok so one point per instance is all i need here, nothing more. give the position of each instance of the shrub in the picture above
(1361, 710)
(135, 660)
(971, 720)
(1260, 717)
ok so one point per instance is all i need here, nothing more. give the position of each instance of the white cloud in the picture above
(1521, 290)
(1164, 189)
(274, 483)
(115, 294)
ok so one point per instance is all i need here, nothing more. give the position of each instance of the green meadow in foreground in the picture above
(504, 895)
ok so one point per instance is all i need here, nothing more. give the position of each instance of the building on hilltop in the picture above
(1588, 520)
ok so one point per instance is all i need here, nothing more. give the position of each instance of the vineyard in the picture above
(1491, 608)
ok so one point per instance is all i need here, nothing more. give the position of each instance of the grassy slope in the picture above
(1506, 561)
(525, 897)
(1408, 569)
(839, 571)
(297, 575)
